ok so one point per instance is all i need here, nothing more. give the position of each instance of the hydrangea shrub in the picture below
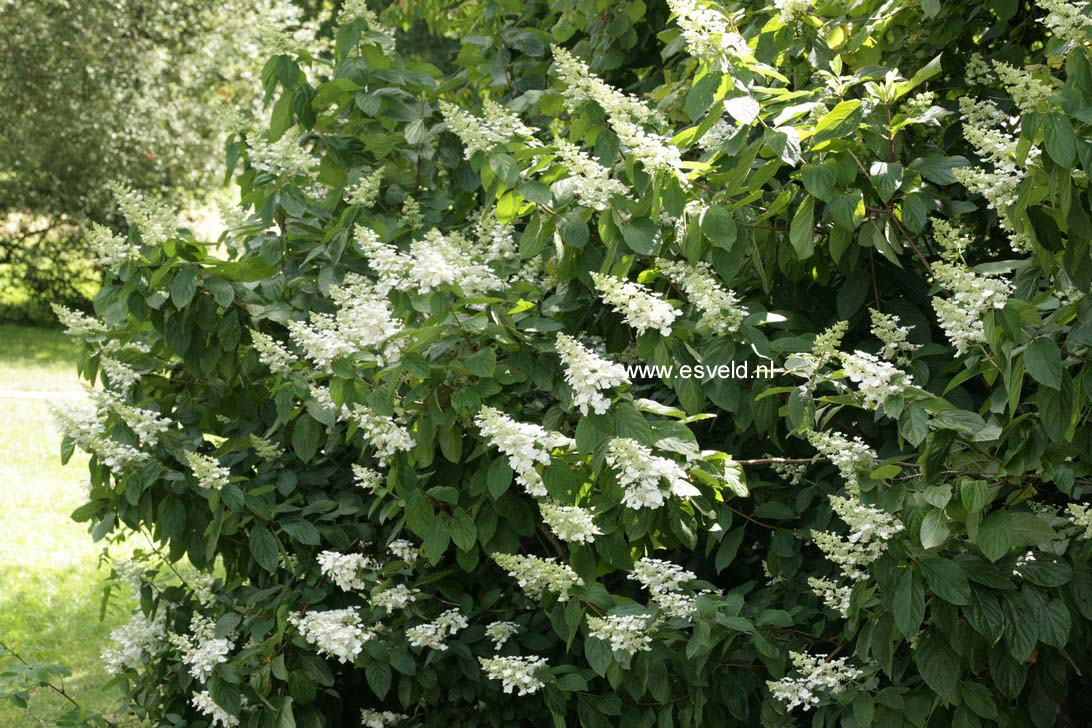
(422, 449)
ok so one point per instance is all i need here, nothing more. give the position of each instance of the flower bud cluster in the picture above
(720, 308)
(818, 680)
(640, 308)
(641, 474)
(589, 374)
(335, 632)
(435, 633)
(537, 575)
(515, 673)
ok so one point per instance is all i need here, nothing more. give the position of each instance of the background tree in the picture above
(103, 91)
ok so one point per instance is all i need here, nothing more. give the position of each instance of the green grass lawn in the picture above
(50, 583)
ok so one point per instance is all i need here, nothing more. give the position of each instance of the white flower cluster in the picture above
(720, 309)
(403, 550)
(345, 569)
(869, 531)
(482, 134)
(895, 338)
(515, 673)
(526, 445)
(432, 262)
(592, 183)
(433, 634)
(819, 679)
(380, 719)
(154, 220)
(537, 575)
(792, 473)
(362, 322)
(973, 294)
(792, 10)
(625, 632)
(1026, 90)
(640, 474)
(501, 632)
(147, 425)
(394, 598)
(203, 702)
(366, 191)
(265, 448)
(640, 308)
(383, 433)
(111, 251)
(283, 158)
(272, 353)
(366, 478)
(918, 104)
(717, 135)
(119, 376)
(984, 126)
(707, 32)
(202, 650)
(209, 472)
(588, 374)
(1081, 516)
(835, 596)
(877, 379)
(978, 71)
(86, 426)
(495, 240)
(570, 523)
(135, 641)
(77, 324)
(354, 10)
(1068, 21)
(625, 114)
(664, 581)
(335, 632)
(851, 457)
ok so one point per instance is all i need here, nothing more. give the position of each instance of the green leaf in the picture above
(597, 652)
(947, 581)
(506, 168)
(305, 437)
(908, 607)
(729, 547)
(463, 531)
(183, 287)
(744, 109)
(841, 121)
(718, 225)
(701, 96)
(934, 529)
(1043, 362)
(419, 513)
(1028, 529)
(378, 675)
(938, 664)
(572, 229)
(802, 229)
(977, 697)
(995, 536)
(482, 363)
(641, 235)
(265, 548)
(938, 169)
(1059, 139)
(974, 494)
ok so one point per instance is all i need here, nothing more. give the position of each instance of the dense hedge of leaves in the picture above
(887, 532)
